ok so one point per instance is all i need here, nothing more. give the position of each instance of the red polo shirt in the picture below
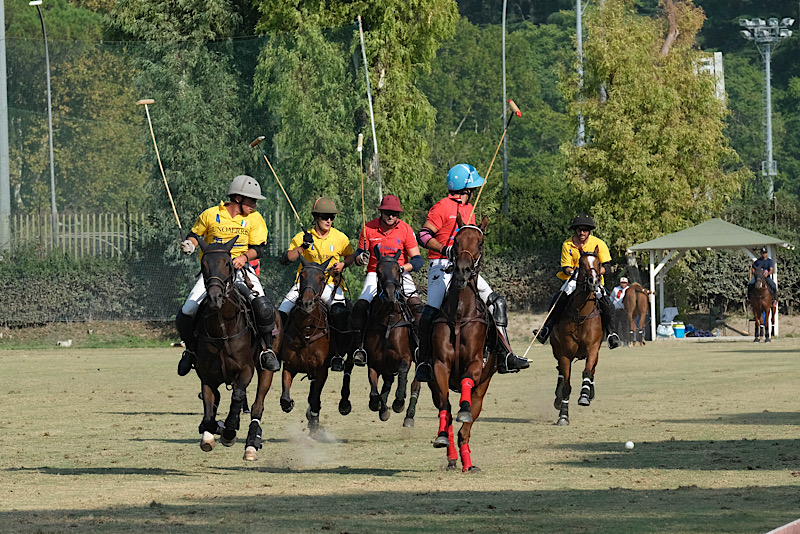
(443, 216)
(399, 237)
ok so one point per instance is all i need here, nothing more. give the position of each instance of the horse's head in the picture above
(468, 247)
(312, 283)
(761, 279)
(217, 269)
(389, 274)
(589, 270)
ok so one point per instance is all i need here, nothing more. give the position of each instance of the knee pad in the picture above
(339, 315)
(497, 305)
(264, 310)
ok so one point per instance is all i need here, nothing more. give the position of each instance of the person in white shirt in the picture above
(619, 293)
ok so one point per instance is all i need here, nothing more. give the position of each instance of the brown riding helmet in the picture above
(324, 205)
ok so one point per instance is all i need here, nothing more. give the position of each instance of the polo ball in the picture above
(629, 445)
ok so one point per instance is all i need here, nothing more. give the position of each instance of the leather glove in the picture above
(448, 252)
(187, 247)
(363, 258)
(308, 240)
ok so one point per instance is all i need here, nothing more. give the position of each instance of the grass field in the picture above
(106, 440)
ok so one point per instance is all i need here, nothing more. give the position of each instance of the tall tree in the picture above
(656, 159)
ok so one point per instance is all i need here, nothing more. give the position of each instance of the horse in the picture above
(307, 346)
(461, 361)
(578, 334)
(635, 302)
(228, 345)
(761, 302)
(388, 341)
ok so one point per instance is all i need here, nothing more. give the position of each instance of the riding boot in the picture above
(358, 321)
(559, 301)
(415, 306)
(507, 361)
(265, 322)
(606, 316)
(338, 321)
(185, 326)
(424, 371)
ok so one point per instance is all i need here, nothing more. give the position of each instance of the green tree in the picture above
(656, 159)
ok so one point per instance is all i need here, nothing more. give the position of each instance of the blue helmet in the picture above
(463, 176)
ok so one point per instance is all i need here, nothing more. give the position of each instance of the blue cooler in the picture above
(680, 330)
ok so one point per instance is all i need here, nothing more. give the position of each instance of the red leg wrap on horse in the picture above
(444, 420)
(466, 389)
(452, 453)
(466, 459)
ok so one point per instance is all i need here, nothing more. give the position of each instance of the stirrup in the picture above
(268, 361)
(360, 357)
(337, 363)
(542, 335)
(187, 362)
(614, 341)
(516, 364)
(423, 372)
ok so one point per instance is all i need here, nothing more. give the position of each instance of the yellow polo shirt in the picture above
(335, 245)
(215, 225)
(571, 255)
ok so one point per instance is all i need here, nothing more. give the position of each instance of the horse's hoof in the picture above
(287, 406)
(398, 405)
(563, 421)
(226, 441)
(345, 407)
(384, 414)
(768, 340)
(245, 410)
(464, 416)
(452, 465)
(473, 469)
(557, 404)
(207, 443)
(756, 340)
(408, 422)
(375, 403)
(441, 441)
(250, 454)
(584, 400)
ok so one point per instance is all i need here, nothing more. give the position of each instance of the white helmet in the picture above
(246, 186)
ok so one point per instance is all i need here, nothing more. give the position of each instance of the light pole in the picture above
(767, 33)
(505, 117)
(37, 3)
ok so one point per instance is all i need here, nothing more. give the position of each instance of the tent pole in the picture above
(652, 298)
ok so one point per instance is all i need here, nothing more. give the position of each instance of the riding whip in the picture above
(256, 143)
(516, 112)
(145, 102)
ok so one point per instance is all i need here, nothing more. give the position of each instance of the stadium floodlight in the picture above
(767, 33)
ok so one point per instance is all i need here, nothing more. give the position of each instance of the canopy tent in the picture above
(710, 235)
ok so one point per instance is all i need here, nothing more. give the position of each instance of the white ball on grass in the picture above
(629, 445)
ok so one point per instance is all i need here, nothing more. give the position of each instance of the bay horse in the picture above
(578, 334)
(635, 302)
(458, 341)
(227, 348)
(307, 346)
(389, 340)
(761, 302)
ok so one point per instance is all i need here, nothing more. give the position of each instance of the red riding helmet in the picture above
(390, 203)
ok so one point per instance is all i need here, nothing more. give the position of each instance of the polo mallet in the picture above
(560, 294)
(360, 150)
(516, 112)
(256, 143)
(144, 102)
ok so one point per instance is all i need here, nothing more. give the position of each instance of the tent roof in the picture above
(712, 234)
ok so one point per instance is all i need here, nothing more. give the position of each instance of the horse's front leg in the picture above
(253, 443)
(402, 386)
(345, 407)
(476, 406)
(412, 404)
(374, 396)
(587, 385)
(388, 381)
(238, 398)
(314, 399)
(286, 387)
(758, 324)
(441, 391)
(472, 376)
(208, 426)
(563, 390)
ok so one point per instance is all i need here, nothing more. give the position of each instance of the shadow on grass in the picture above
(684, 509)
(198, 414)
(114, 471)
(738, 455)
(755, 418)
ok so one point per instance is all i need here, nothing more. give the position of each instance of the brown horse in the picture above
(635, 302)
(307, 346)
(761, 302)
(578, 334)
(228, 346)
(389, 341)
(459, 340)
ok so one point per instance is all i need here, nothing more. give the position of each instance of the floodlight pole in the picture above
(5, 184)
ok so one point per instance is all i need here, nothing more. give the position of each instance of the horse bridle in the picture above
(476, 261)
(398, 283)
(585, 284)
(223, 283)
(317, 291)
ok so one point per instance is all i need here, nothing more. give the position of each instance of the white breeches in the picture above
(328, 297)
(569, 286)
(198, 292)
(439, 281)
(371, 286)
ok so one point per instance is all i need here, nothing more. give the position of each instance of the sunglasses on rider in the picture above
(326, 216)
(391, 213)
(584, 229)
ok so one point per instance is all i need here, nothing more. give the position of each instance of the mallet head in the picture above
(360, 142)
(514, 108)
(257, 141)
(145, 101)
